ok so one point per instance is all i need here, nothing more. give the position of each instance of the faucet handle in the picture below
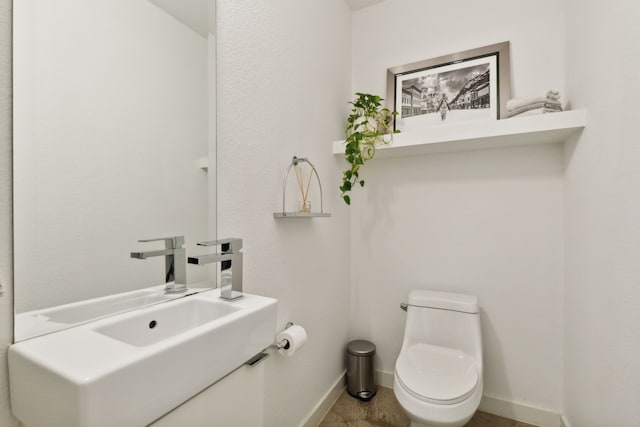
(175, 242)
(235, 244)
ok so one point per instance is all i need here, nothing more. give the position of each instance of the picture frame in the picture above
(466, 86)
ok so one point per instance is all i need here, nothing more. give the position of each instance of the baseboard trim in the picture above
(320, 410)
(384, 378)
(520, 412)
(514, 410)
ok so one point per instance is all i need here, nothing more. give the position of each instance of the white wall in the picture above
(110, 121)
(283, 87)
(397, 32)
(602, 372)
(489, 223)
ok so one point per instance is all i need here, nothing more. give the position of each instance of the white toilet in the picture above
(438, 374)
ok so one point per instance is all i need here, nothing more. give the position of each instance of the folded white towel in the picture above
(551, 106)
(533, 112)
(517, 103)
(515, 112)
(551, 97)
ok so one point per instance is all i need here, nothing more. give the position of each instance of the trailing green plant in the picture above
(368, 126)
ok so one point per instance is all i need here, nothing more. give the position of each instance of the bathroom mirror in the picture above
(114, 141)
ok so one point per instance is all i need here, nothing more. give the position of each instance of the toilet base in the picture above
(420, 424)
(423, 414)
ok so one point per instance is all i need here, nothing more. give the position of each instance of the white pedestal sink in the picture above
(132, 368)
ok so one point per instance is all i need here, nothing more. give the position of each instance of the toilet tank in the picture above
(444, 319)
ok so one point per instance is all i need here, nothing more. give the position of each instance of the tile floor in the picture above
(385, 411)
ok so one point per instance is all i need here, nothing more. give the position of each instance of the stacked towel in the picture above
(550, 103)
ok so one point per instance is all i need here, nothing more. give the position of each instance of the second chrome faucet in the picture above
(230, 259)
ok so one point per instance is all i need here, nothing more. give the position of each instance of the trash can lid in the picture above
(361, 348)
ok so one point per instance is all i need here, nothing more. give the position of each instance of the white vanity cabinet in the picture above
(235, 400)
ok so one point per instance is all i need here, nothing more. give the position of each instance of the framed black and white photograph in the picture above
(461, 87)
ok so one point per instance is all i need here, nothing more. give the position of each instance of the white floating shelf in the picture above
(551, 128)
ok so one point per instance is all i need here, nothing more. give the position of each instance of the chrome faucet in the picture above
(230, 259)
(174, 262)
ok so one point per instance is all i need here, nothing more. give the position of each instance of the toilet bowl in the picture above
(438, 373)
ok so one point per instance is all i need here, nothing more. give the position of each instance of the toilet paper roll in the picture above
(296, 336)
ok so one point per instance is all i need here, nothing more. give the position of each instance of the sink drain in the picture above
(152, 324)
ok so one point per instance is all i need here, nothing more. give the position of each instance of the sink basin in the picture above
(132, 368)
(150, 327)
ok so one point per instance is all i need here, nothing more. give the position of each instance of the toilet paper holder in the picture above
(284, 343)
(260, 357)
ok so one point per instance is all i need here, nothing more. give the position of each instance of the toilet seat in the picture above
(436, 374)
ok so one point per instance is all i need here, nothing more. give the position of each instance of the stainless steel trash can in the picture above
(360, 378)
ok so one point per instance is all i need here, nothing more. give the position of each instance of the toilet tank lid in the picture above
(444, 300)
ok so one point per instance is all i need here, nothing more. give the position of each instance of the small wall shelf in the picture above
(549, 128)
(296, 214)
(301, 215)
